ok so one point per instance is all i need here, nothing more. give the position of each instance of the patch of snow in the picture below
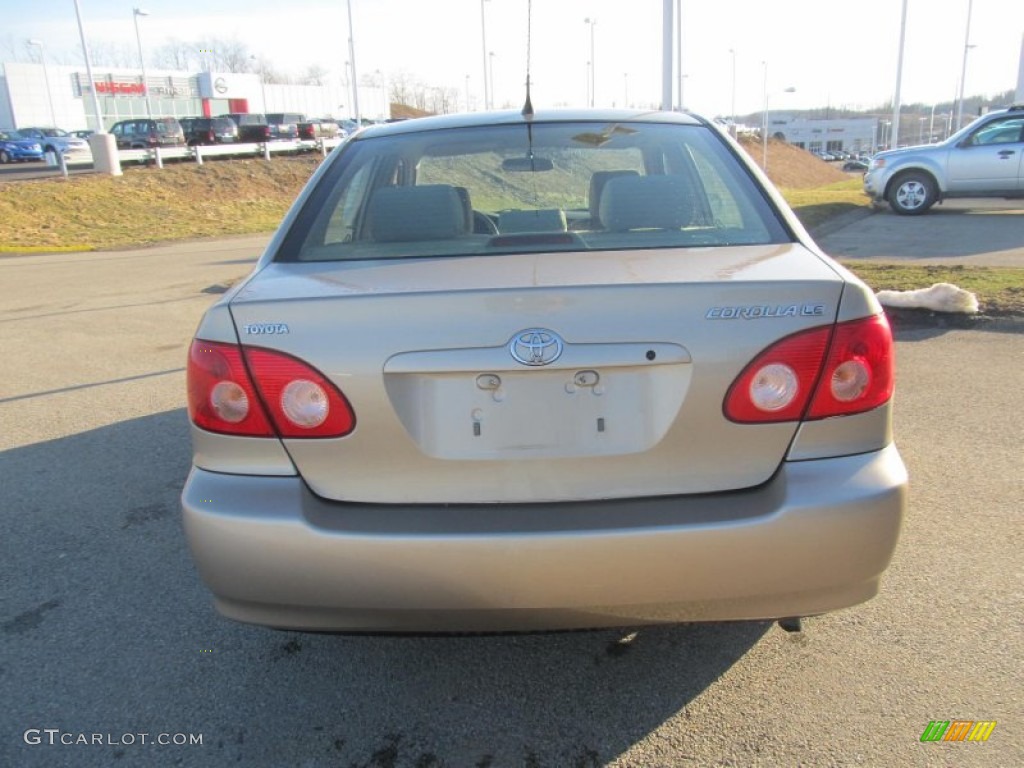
(941, 297)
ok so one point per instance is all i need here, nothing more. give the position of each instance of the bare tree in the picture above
(107, 53)
(314, 75)
(234, 54)
(175, 54)
(403, 88)
(442, 101)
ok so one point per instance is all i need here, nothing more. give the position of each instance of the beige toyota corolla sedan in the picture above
(499, 372)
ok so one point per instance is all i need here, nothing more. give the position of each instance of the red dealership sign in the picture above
(124, 89)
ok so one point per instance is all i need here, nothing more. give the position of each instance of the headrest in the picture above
(597, 182)
(646, 202)
(428, 212)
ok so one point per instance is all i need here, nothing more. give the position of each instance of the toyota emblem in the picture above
(536, 346)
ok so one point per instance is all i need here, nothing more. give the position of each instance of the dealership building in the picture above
(852, 134)
(62, 96)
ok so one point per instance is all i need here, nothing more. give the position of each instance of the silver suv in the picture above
(985, 159)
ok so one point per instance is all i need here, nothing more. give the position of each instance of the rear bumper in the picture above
(814, 539)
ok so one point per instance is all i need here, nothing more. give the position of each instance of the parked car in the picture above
(15, 148)
(209, 130)
(56, 140)
(855, 165)
(570, 370)
(318, 128)
(284, 126)
(83, 133)
(146, 133)
(252, 126)
(984, 159)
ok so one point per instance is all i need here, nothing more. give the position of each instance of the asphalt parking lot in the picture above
(106, 633)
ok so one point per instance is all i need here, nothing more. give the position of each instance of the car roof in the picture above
(512, 117)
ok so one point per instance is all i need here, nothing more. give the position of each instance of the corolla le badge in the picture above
(536, 346)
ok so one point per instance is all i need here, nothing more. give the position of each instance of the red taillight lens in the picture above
(858, 374)
(777, 384)
(211, 136)
(283, 395)
(807, 376)
(300, 399)
(221, 396)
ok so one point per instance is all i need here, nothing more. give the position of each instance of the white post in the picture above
(159, 157)
(198, 152)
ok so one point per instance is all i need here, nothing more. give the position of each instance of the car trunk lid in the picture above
(462, 393)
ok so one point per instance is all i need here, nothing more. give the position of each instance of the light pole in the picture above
(136, 12)
(899, 78)
(490, 57)
(920, 129)
(963, 70)
(352, 58)
(732, 112)
(593, 64)
(679, 50)
(931, 126)
(483, 38)
(88, 70)
(885, 134)
(764, 117)
(46, 77)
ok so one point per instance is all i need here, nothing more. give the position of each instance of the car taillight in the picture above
(211, 136)
(265, 130)
(260, 392)
(816, 374)
(859, 372)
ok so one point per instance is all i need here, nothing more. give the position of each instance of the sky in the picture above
(829, 54)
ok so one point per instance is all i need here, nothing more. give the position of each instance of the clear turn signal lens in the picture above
(774, 387)
(304, 403)
(229, 401)
(850, 380)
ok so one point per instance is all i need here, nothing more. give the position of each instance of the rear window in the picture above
(544, 187)
(167, 125)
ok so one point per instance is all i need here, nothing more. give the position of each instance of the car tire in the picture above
(4, 157)
(912, 193)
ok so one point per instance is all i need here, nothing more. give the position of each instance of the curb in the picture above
(908, 319)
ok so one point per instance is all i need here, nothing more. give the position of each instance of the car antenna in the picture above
(528, 106)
